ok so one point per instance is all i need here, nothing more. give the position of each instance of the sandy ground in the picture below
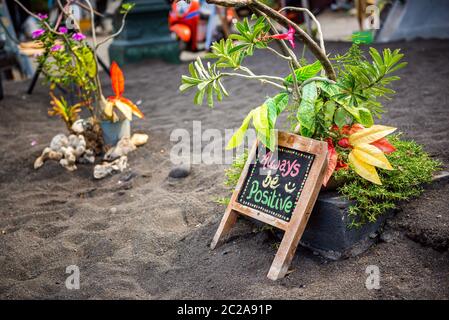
(142, 235)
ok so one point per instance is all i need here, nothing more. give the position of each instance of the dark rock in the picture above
(181, 171)
(128, 176)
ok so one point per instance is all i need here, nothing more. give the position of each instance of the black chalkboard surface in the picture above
(275, 181)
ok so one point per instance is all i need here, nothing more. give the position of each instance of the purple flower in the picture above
(37, 33)
(78, 36)
(56, 47)
(63, 30)
(42, 16)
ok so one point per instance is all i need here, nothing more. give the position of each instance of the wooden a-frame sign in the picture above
(288, 197)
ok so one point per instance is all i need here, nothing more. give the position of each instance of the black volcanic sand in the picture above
(140, 234)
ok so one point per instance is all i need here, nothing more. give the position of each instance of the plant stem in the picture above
(94, 40)
(37, 17)
(115, 34)
(261, 78)
(279, 54)
(316, 79)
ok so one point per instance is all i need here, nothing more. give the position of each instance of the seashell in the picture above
(78, 126)
(59, 141)
(139, 139)
(123, 147)
(107, 168)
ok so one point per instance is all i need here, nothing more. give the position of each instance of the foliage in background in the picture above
(413, 168)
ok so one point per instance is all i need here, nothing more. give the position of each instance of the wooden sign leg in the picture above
(227, 222)
(286, 250)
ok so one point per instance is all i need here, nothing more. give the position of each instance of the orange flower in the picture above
(126, 107)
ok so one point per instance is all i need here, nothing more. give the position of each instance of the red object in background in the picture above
(183, 20)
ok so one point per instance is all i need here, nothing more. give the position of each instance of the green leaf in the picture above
(366, 118)
(329, 111)
(342, 117)
(237, 137)
(306, 110)
(281, 101)
(305, 72)
(199, 97)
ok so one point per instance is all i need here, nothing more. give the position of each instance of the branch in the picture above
(313, 47)
(115, 34)
(37, 17)
(263, 79)
(315, 79)
(278, 54)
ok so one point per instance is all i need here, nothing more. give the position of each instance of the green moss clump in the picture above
(413, 167)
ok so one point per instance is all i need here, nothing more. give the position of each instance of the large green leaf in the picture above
(237, 137)
(306, 110)
(305, 72)
(342, 117)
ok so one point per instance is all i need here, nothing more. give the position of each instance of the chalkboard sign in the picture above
(278, 188)
(275, 181)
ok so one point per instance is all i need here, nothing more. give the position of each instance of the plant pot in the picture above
(114, 131)
(327, 230)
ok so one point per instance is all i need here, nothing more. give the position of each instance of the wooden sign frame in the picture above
(293, 228)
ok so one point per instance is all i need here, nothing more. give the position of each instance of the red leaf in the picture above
(384, 145)
(118, 81)
(344, 143)
(341, 165)
(332, 157)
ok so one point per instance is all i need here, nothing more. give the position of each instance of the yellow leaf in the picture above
(238, 136)
(372, 155)
(125, 109)
(364, 169)
(370, 134)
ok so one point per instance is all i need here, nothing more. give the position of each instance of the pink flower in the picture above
(78, 36)
(37, 33)
(63, 30)
(56, 47)
(290, 36)
(42, 16)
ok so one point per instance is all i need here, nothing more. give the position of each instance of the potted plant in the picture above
(116, 125)
(330, 99)
(70, 65)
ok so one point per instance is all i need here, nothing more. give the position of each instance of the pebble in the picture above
(181, 171)
(386, 237)
(113, 210)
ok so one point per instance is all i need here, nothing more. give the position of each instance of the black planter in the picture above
(327, 231)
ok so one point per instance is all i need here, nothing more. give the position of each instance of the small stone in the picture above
(139, 139)
(439, 216)
(127, 177)
(113, 210)
(181, 171)
(386, 236)
(373, 235)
